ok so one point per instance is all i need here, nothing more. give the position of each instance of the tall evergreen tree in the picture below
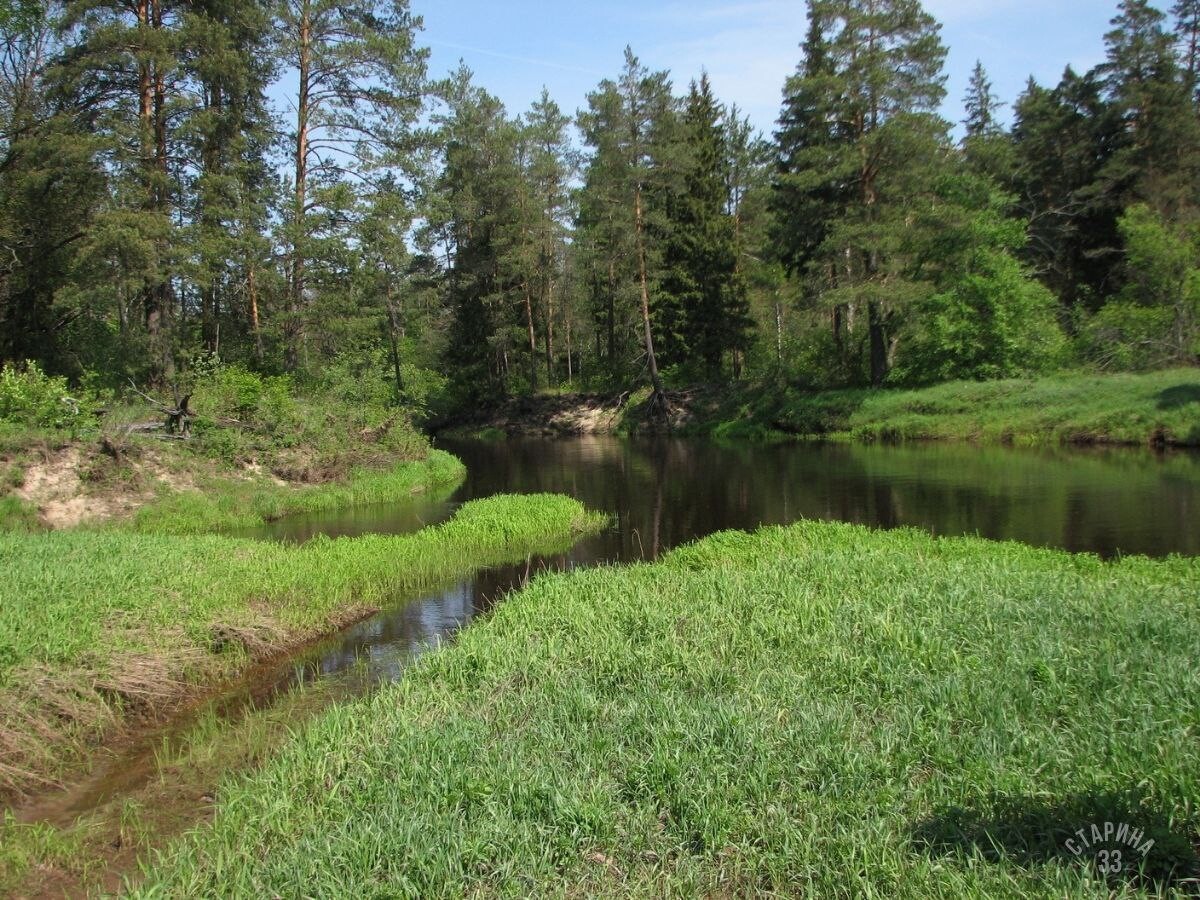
(360, 89)
(51, 186)
(880, 78)
(1158, 159)
(981, 105)
(1187, 34)
(1063, 139)
(551, 167)
(228, 140)
(476, 220)
(624, 124)
(699, 255)
(126, 58)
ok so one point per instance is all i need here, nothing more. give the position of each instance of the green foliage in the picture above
(775, 713)
(346, 417)
(1155, 320)
(30, 397)
(17, 515)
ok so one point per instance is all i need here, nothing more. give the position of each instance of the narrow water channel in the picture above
(662, 493)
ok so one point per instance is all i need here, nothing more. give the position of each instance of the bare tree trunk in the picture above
(255, 328)
(567, 326)
(533, 385)
(294, 329)
(549, 327)
(778, 327)
(659, 399)
(611, 323)
(393, 334)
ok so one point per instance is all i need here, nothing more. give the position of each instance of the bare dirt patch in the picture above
(56, 487)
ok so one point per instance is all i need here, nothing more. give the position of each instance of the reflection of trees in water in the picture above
(664, 492)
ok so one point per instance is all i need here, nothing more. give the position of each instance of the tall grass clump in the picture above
(249, 503)
(94, 624)
(817, 710)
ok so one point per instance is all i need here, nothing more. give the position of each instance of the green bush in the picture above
(30, 397)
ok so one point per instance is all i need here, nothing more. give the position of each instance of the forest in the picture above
(161, 215)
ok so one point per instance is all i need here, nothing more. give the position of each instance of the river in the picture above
(661, 493)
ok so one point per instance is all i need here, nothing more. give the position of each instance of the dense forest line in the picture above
(159, 216)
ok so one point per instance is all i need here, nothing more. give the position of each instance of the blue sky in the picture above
(748, 46)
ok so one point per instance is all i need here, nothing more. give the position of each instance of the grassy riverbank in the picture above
(816, 709)
(1156, 408)
(228, 503)
(96, 624)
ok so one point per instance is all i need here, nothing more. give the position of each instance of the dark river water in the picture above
(661, 493)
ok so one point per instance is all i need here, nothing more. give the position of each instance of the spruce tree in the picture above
(1063, 140)
(981, 105)
(699, 259)
(551, 166)
(627, 124)
(1158, 160)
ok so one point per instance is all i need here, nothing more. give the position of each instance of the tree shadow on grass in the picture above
(1180, 395)
(1030, 831)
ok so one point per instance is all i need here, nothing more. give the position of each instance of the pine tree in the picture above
(551, 166)
(360, 90)
(1187, 34)
(748, 170)
(126, 57)
(1063, 140)
(50, 189)
(627, 124)
(228, 139)
(475, 216)
(878, 81)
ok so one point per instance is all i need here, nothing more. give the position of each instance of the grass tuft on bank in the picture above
(95, 624)
(247, 503)
(812, 710)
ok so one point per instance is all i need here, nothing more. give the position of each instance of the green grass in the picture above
(816, 710)
(83, 857)
(1125, 409)
(18, 515)
(1136, 409)
(231, 503)
(93, 622)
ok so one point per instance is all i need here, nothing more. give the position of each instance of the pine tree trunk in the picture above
(659, 400)
(611, 315)
(879, 348)
(549, 329)
(296, 288)
(393, 335)
(567, 327)
(252, 292)
(533, 382)
(778, 327)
